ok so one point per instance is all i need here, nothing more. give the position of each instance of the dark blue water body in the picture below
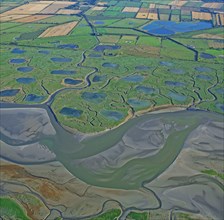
(203, 69)
(94, 97)
(134, 78)
(171, 27)
(44, 52)
(220, 106)
(138, 103)
(220, 91)
(207, 56)
(63, 72)
(71, 112)
(25, 69)
(68, 46)
(8, 92)
(173, 83)
(72, 81)
(94, 55)
(165, 63)
(34, 98)
(101, 48)
(17, 61)
(177, 97)
(177, 71)
(18, 51)
(25, 80)
(112, 115)
(142, 68)
(99, 22)
(61, 59)
(145, 89)
(99, 78)
(110, 65)
(204, 77)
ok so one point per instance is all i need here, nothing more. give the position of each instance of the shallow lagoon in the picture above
(133, 78)
(171, 27)
(112, 115)
(8, 92)
(72, 81)
(25, 69)
(63, 72)
(61, 59)
(25, 80)
(71, 112)
(34, 98)
(17, 61)
(95, 97)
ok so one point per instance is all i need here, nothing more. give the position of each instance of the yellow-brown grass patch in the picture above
(68, 12)
(33, 18)
(59, 30)
(142, 15)
(98, 8)
(152, 5)
(101, 3)
(201, 15)
(178, 3)
(221, 17)
(153, 16)
(12, 17)
(215, 5)
(130, 9)
(53, 8)
(208, 36)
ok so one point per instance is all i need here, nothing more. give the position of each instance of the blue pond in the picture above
(61, 59)
(72, 81)
(110, 65)
(18, 51)
(9, 92)
(204, 77)
(71, 112)
(133, 78)
(207, 56)
(142, 67)
(165, 63)
(177, 97)
(95, 55)
(25, 69)
(172, 83)
(138, 103)
(44, 52)
(112, 115)
(203, 69)
(63, 72)
(220, 91)
(177, 71)
(25, 80)
(145, 89)
(98, 22)
(101, 48)
(98, 78)
(94, 97)
(68, 46)
(171, 27)
(17, 61)
(34, 98)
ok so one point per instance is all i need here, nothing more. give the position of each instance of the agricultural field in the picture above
(99, 98)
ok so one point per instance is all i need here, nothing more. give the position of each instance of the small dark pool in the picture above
(138, 103)
(98, 78)
(177, 71)
(95, 55)
(68, 46)
(44, 52)
(112, 115)
(207, 56)
(204, 77)
(134, 78)
(172, 83)
(94, 97)
(101, 48)
(142, 68)
(203, 69)
(18, 51)
(177, 97)
(166, 63)
(110, 65)
(145, 89)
